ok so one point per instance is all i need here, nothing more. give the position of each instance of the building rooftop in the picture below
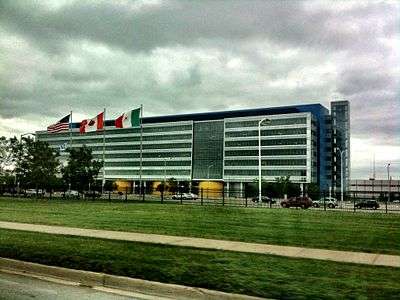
(220, 115)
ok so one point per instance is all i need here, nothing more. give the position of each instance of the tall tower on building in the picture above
(340, 113)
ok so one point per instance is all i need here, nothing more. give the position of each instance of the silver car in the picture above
(329, 202)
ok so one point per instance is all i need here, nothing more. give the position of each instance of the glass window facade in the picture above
(208, 143)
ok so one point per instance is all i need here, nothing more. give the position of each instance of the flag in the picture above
(60, 126)
(128, 119)
(88, 125)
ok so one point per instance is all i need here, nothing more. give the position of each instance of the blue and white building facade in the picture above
(219, 146)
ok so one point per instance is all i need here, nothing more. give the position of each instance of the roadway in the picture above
(19, 287)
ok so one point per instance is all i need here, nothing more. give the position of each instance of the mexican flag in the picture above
(128, 119)
(97, 123)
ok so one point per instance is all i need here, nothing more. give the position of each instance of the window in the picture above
(270, 162)
(265, 152)
(274, 122)
(266, 142)
(265, 172)
(267, 132)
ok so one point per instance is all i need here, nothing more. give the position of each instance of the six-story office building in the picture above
(217, 147)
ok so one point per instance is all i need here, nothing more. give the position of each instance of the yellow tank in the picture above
(122, 185)
(211, 189)
(155, 184)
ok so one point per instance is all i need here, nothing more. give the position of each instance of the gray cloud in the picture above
(191, 56)
(185, 22)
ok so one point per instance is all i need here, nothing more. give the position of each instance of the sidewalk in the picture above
(288, 251)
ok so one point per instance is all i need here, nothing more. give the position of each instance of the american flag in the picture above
(60, 126)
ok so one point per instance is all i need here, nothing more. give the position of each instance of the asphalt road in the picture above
(18, 287)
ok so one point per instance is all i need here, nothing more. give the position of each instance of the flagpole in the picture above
(104, 152)
(70, 130)
(141, 148)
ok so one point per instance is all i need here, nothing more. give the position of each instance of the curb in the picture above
(93, 279)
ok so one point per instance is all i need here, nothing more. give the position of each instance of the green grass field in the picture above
(252, 274)
(367, 232)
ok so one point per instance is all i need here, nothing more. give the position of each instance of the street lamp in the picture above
(165, 171)
(267, 121)
(341, 174)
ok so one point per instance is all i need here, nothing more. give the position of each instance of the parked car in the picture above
(303, 202)
(192, 196)
(264, 199)
(33, 192)
(329, 202)
(92, 194)
(367, 204)
(71, 193)
(185, 196)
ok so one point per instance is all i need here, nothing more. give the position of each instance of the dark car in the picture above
(264, 199)
(367, 204)
(303, 202)
(92, 194)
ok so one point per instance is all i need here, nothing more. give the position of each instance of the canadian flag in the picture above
(88, 125)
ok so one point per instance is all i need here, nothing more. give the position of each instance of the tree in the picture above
(5, 154)
(267, 189)
(313, 191)
(36, 164)
(277, 189)
(286, 187)
(172, 185)
(81, 169)
(110, 186)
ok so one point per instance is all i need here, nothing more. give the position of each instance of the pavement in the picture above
(374, 259)
(21, 287)
(25, 280)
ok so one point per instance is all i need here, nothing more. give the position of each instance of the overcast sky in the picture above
(196, 56)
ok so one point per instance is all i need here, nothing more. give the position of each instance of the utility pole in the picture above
(389, 180)
(341, 175)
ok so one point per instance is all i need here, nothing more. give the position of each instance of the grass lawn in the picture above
(252, 274)
(367, 232)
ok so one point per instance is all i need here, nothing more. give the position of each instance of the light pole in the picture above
(341, 175)
(165, 171)
(267, 121)
(389, 183)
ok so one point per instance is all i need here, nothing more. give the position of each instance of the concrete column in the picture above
(241, 189)
(227, 189)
